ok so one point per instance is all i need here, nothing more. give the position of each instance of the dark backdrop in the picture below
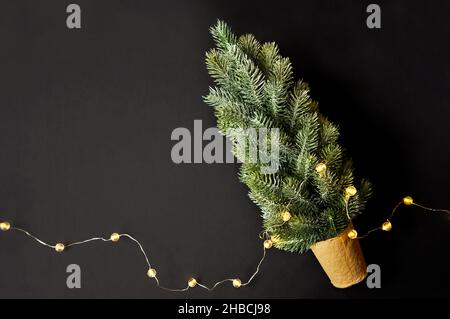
(85, 123)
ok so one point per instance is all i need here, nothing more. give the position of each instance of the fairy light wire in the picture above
(257, 268)
(407, 201)
(87, 241)
(432, 209)
(264, 235)
(32, 237)
(147, 260)
(140, 247)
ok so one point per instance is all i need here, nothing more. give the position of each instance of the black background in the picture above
(85, 123)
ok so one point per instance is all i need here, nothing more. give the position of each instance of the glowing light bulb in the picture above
(408, 200)
(321, 168)
(350, 191)
(5, 226)
(192, 282)
(237, 283)
(285, 216)
(268, 244)
(60, 247)
(275, 238)
(387, 226)
(115, 237)
(352, 234)
(151, 273)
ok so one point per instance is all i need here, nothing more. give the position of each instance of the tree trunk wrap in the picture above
(342, 259)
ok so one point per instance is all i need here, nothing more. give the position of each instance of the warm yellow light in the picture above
(60, 247)
(285, 216)
(268, 244)
(321, 168)
(352, 234)
(350, 191)
(192, 282)
(275, 238)
(4, 226)
(387, 226)
(408, 200)
(151, 273)
(115, 237)
(237, 283)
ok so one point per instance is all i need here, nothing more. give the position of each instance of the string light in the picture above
(192, 282)
(350, 191)
(275, 238)
(151, 273)
(352, 234)
(387, 226)
(5, 226)
(268, 244)
(321, 168)
(285, 216)
(115, 237)
(408, 200)
(236, 282)
(59, 247)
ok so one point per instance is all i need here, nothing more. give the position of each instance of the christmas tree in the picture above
(310, 196)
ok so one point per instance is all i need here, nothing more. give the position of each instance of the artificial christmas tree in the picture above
(308, 201)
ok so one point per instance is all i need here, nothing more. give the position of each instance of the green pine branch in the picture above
(254, 88)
